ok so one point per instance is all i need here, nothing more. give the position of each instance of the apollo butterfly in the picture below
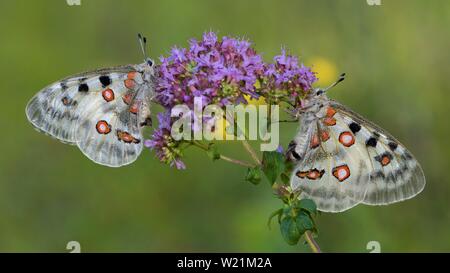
(102, 111)
(357, 162)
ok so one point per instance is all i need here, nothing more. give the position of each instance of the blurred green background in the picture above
(397, 60)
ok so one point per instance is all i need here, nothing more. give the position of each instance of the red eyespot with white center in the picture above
(103, 127)
(347, 139)
(341, 172)
(108, 94)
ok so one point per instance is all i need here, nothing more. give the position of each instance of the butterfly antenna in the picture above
(341, 78)
(143, 44)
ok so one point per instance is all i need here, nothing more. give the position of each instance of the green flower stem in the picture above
(235, 161)
(247, 146)
(308, 236)
(200, 145)
(252, 152)
(312, 243)
(226, 158)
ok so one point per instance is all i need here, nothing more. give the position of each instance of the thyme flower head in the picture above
(286, 74)
(166, 148)
(218, 71)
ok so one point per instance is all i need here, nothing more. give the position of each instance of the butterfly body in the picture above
(342, 159)
(101, 111)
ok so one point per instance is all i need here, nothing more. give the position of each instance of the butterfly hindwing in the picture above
(100, 111)
(110, 138)
(349, 160)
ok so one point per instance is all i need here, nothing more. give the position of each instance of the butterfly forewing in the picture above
(395, 174)
(100, 111)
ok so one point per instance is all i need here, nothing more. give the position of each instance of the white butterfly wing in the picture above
(356, 162)
(395, 174)
(100, 111)
(56, 108)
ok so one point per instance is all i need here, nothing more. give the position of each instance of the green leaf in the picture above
(279, 213)
(253, 175)
(272, 165)
(307, 205)
(304, 222)
(288, 211)
(213, 152)
(289, 230)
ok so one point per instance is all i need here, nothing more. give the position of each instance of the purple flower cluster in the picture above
(220, 72)
(288, 75)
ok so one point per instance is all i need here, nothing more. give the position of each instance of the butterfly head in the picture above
(317, 98)
(149, 62)
(313, 101)
(148, 66)
(147, 69)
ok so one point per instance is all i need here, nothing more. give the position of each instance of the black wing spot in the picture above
(105, 80)
(407, 156)
(371, 142)
(393, 146)
(147, 122)
(63, 86)
(354, 127)
(291, 150)
(375, 175)
(295, 155)
(83, 87)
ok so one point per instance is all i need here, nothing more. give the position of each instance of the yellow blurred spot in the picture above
(252, 101)
(326, 70)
